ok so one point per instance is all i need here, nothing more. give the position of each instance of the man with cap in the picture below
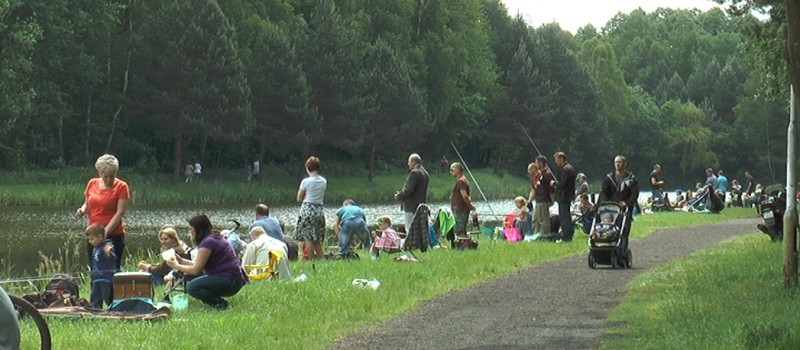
(583, 186)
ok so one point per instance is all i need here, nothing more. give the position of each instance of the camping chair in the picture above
(417, 235)
(388, 243)
(509, 230)
(179, 281)
(271, 269)
(443, 223)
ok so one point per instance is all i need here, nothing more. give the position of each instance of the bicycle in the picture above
(26, 311)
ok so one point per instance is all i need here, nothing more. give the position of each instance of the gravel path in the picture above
(560, 304)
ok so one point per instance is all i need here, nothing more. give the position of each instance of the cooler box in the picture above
(133, 285)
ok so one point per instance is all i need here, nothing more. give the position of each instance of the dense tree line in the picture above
(364, 83)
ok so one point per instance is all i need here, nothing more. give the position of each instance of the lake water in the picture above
(32, 236)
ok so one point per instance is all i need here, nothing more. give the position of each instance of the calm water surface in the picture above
(29, 234)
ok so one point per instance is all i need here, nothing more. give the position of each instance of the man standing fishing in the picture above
(565, 192)
(460, 200)
(415, 189)
(542, 192)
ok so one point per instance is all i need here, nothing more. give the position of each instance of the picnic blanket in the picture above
(161, 313)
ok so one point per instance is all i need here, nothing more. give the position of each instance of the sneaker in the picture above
(559, 241)
(536, 236)
(222, 305)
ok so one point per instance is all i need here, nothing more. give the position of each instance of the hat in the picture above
(679, 191)
(580, 175)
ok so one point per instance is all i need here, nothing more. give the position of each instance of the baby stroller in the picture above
(607, 237)
(708, 201)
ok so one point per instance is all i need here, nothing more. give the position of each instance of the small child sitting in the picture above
(104, 265)
(385, 238)
(605, 229)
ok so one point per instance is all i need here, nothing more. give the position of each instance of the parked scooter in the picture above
(772, 204)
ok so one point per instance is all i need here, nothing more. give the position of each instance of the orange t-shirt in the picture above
(101, 204)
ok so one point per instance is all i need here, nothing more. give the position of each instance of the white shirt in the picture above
(257, 253)
(315, 189)
(197, 168)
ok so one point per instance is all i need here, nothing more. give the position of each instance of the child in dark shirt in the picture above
(104, 265)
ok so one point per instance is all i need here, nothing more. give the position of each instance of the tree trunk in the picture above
(87, 133)
(499, 161)
(421, 5)
(793, 65)
(793, 44)
(177, 151)
(372, 151)
(262, 148)
(125, 77)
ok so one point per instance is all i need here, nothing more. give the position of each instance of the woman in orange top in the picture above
(106, 203)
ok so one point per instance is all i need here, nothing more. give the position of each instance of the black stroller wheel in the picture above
(592, 261)
(614, 260)
(629, 259)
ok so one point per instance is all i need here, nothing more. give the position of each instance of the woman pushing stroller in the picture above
(621, 187)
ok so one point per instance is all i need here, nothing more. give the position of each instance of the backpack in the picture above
(462, 243)
(61, 290)
(63, 286)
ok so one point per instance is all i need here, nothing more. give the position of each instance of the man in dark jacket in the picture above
(622, 187)
(565, 192)
(415, 189)
(542, 194)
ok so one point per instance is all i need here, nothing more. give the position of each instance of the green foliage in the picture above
(689, 136)
(363, 83)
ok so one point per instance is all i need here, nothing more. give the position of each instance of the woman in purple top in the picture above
(215, 257)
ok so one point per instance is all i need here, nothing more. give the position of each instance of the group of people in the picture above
(253, 171)
(716, 183)
(219, 267)
(192, 172)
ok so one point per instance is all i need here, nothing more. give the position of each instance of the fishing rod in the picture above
(473, 178)
(536, 148)
(529, 138)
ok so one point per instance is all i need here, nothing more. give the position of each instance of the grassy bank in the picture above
(311, 314)
(727, 297)
(227, 187)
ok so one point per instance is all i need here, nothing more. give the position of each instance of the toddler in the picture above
(104, 265)
(388, 241)
(605, 229)
(521, 222)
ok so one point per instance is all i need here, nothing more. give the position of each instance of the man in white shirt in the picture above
(257, 251)
(198, 169)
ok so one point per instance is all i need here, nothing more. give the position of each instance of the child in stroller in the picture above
(606, 237)
(605, 230)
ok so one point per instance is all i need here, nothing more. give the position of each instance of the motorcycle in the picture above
(771, 205)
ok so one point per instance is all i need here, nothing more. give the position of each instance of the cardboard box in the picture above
(133, 285)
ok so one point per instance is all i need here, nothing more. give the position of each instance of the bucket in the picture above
(180, 302)
(487, 231)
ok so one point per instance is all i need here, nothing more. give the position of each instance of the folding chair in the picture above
(417, 235)
(269, 270)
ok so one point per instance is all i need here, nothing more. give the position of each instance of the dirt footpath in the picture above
(560, 304)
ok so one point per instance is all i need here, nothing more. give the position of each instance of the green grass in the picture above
(727, 297)
(311, 314)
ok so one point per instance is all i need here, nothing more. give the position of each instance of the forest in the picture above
(363, 83)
